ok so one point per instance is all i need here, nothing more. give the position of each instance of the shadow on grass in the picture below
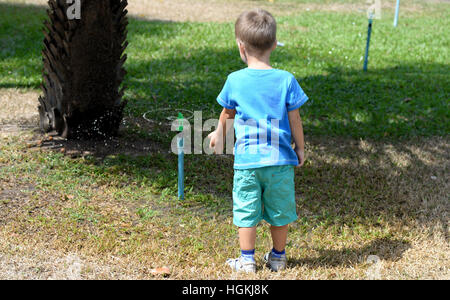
(384, 250)
(344, 184)
(384, 104)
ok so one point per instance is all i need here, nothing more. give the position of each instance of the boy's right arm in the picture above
(217, 136)
(295, 122)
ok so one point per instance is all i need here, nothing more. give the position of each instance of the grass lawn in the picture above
(375, 183)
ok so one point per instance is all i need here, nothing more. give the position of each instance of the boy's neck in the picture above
(260, 63)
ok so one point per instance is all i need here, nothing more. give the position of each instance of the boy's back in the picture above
(262, 99)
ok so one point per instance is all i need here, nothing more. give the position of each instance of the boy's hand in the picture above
(217, 136)
(301, 157)
(216, 142)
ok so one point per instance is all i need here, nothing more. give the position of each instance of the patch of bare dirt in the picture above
(226, 11)
(42, 263)
(18, 107)
(128, 142)
(18, 111)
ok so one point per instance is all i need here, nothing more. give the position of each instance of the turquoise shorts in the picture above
(264, 193)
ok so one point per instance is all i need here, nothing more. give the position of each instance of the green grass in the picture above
(184, 65)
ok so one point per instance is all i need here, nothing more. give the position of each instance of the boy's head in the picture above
(256, 30)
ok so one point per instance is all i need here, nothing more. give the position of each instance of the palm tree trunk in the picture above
(83, 69)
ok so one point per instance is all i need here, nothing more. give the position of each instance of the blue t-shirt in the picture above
(262, 99)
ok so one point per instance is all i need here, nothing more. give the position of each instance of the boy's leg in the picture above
(276, 259)
(247, 238)
(246, 262)
(247, 212)
(279, 197)
(279, 211)
(279, 237)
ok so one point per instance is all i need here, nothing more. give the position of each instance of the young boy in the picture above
(264, 103)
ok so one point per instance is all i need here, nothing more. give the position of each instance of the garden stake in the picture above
(369, 32)
(180, 143)
(397, 8)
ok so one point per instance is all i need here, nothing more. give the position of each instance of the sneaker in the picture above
(275, 263)
(242, 265)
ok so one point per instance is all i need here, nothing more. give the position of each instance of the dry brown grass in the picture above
(39, 240)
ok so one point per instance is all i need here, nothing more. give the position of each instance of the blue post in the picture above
(366, 56)
(180, 169)
(180, 146)
(397, 8)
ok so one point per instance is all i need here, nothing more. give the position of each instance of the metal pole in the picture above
(180, 169)
(366, 56)
(397, 8)
(180, 144)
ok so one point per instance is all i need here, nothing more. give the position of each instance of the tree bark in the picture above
(83, 69)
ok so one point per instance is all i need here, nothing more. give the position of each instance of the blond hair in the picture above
(257, 29)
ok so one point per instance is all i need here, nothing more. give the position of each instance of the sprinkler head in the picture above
(180, 121)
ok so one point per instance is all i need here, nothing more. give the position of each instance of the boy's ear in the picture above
(240, 45)
(275, 45)
(242, 51)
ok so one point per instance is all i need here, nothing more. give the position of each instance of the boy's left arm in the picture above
(217, 136)
(295, 122)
